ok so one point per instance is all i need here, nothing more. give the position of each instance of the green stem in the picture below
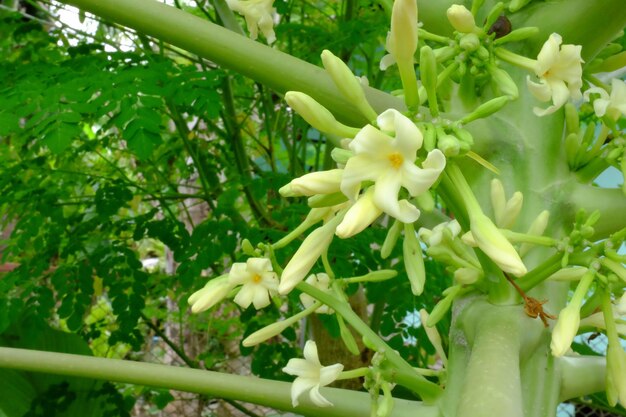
(516, 237)
(275, 394)
(354, 373)
(540, 273)
(582, 375)
(427, 390)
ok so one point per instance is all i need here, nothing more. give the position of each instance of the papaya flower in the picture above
(311, 375)
(213, 292)
(565, 330)
(559, 70)
(320, 281)
(613, 105)
(259, 15)
(389, 161)
(258, 282)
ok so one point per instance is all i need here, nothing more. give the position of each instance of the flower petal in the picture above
(330, 373)
(258, 265)
(310, 352)
(238, 274)
(418, 181)
(299, 387)
(317, 398)
(361, 168)
(244, 296)
(363, 213)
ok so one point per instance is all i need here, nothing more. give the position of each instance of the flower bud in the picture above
(433, 336)
(266, 332)
(616, 374)
(511, 210)
(391, 239)
(362, 213)
(428, 75)
(307, 254)
(413, 260)
(469, 42)
(317, 115)
(486, 109)
(503, 81)
(565, 330)
(326, 200)
(461, 19)
(442, 307)
(347, 84)
(495, 245)
(537, 228)
(404, 30)
(449, 145)
(213, 292)
(341, 156)
(498, 199)
(517, 35)
(467, 276)
(322, 182)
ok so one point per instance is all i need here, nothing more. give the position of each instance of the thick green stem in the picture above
(493, 387)
(275, 394)
(275, 69)
(582, 375)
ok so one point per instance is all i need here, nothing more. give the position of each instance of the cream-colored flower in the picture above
(322, 182)
(213, 292)
(560, 74)
(258, 282)
(565, 330)
(259, 14)
(389, 161)
(320, 281)
(435, 236)
(311, 375)
(613, 105)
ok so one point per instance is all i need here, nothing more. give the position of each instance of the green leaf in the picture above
(60, 136)
(143, 142)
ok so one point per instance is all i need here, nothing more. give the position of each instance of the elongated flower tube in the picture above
(390, 163)
(362, 213)
(347, 83)
(560, 74)
(322, 182)
(307, 254)
(257, 281)
(613, 105)
(213, 292)
(616, 374)
(317, 115)
(311, 375)
(495, 245)
(565, 330)
(259, 14)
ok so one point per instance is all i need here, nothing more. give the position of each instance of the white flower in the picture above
(390, 163)
(613, 105)
(213, 292)
(560, 74)
(259, 14)
(311, 375)
(320, 281)
(322, 182)
(565, 330)
(257, 282)
(616, 374)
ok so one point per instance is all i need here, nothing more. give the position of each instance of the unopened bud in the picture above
(413, 260)
(449, 145)
(461, 19)
(322, 182)
(512, 210)
(326, 200)
(503, 81)
(517, 35)
(467, 276)
(565, 330)
(347, 84)
(265, 333)
(247, 248)
(428, 74)
(537, 228)
(498, 199)
(486, 109)
(469, 42)
(491, 241)
(391, 239)
(317, 115)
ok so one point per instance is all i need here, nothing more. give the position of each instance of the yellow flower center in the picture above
(256, 278)
(396, 160)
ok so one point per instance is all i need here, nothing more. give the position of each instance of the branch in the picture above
(277, 70)
(275, 394)
(582, 375)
